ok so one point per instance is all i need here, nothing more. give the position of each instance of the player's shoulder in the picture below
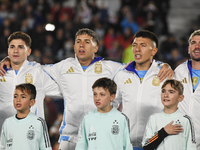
(112, 63)
(181, 66)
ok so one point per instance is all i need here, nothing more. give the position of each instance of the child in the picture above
(170, 129)
(24, 131)
(104, 128)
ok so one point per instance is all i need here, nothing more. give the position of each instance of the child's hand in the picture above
(173, 129)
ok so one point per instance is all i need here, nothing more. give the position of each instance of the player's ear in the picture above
(29, 51)
(154, 51)
(113, 97)
(32, 102)
(181, 97)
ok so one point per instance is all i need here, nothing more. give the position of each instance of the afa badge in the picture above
(29, 78)
(30, 134)
(98, 68)
(194, 81)
(115, 128)
(156, 81)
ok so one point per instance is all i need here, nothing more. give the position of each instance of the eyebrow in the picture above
(83, 40)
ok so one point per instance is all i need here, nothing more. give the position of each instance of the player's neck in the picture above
(105, 110)
(16, 66)
(141, 67)
(195, 65)
(86, 62)
(170, 110)
(22, 114)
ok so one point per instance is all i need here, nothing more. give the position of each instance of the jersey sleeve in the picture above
(50, 86)
(152, 138)
(126, 137)
(118, 98)
(190, 134)
(82, 143)
(44, 136)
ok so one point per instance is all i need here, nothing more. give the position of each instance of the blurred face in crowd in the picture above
(194, 48)
(18, 52)
(85, 49)
(143, 51)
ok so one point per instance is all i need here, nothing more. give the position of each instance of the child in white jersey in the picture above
(105, 127)
(170, 129)
(24, 131)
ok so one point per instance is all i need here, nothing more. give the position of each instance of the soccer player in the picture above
(138, 85)
(24, 131)
(23, 71)
(76, 76)
(189, 74)
(104, 127)
(170, 129)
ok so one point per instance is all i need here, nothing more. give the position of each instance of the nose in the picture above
(197, 45)
(137, 48)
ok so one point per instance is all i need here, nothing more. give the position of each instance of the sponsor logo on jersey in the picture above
(194, 80)
(3, 79)
(128, 81)
(29, 78)
(31, 133)
(156, 81)
(115, 128)
(184, 80)
(9, 142)
(98, 68)
(92, 136)
(70, 70)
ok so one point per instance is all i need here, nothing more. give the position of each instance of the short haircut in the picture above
(196, 32)
(106, 83)
(88, 32)
(147, 34)
(20, 35)
(177, 85)
(28, 88)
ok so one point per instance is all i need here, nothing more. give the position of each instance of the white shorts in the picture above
(67, 145)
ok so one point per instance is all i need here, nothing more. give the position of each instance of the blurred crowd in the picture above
(115, 22)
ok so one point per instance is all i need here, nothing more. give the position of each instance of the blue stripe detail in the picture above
(36, 111)
(137, 148)
(64, 123)
(131, 67)
(4, 67)
(64, 138)
(32, 63)
(190, 68)
(96, 59)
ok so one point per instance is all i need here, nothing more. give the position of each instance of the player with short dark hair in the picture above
(105, 127)
(24, 131)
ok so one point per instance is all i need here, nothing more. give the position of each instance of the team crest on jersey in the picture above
(156, 81)
(98, 68)
(194, 80)
(31, 133)
(29, 78)
(115, 128)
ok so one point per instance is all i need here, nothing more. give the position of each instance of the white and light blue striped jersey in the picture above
(76, 87)
(139, 97)
(30, 72)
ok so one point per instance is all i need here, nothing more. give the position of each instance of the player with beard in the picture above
(189, 74)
